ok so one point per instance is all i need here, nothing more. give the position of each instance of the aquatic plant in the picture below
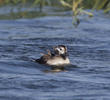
(102, 4)
(77, 9)
(77, 6)
(89, 4)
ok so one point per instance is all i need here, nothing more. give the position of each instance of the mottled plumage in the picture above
(59, 57)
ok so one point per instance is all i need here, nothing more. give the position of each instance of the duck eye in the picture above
(60, 48)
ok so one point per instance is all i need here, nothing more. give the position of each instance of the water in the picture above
(88, 47)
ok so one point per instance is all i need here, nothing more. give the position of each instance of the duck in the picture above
(57, 58)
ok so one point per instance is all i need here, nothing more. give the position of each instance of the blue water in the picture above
(88, 48)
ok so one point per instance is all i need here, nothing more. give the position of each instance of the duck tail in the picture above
(37, 60)
(33, 59)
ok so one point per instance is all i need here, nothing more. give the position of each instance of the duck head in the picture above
(61, 50)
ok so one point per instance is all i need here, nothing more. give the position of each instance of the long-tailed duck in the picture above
(58, 58)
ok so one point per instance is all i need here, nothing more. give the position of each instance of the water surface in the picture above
(88, 47)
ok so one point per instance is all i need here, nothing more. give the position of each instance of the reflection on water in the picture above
(88, 48)
(30, 12)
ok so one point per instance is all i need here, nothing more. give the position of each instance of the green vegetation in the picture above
(89, 4)
(77, 6)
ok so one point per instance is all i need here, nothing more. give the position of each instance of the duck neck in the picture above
(64, 56)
